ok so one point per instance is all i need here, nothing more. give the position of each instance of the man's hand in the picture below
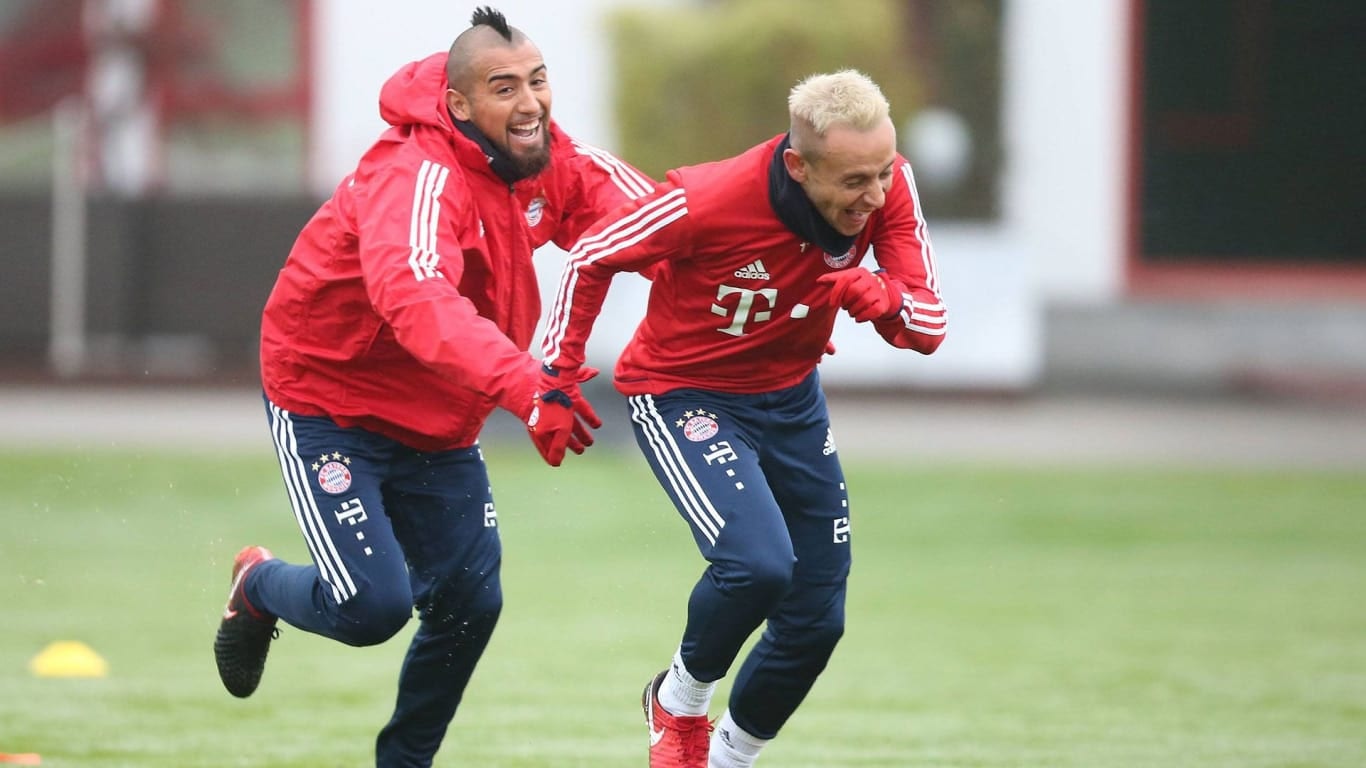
(866, 295)
(561, 417)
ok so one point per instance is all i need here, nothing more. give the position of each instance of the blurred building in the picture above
(1123, 194)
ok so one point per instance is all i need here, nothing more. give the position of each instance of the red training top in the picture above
(408, 301)
(734, 305)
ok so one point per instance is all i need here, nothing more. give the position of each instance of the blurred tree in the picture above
(701, 83)
(709, 80)
(956, 48)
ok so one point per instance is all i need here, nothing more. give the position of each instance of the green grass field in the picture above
(997, 617)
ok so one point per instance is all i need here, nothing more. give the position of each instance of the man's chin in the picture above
(530, 165)
(850, 227)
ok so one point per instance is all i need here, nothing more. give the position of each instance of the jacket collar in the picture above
(499, 162)
(794, 208)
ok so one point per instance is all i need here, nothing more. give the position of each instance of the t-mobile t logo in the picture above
(743, 306)
(841, 530)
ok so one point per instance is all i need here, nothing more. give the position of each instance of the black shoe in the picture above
(245, 633)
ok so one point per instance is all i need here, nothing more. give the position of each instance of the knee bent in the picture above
(817, 638)
(764, 581)
(462, 602)
(824, 635)
(368, 621)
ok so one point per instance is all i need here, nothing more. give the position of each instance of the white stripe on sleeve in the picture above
(621, 234)
(922, 232)
(423, 256)
(627, 179)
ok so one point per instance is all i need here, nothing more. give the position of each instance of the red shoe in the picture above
(245, 633)
(676, 741)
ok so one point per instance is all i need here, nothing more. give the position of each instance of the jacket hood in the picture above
(416, 94)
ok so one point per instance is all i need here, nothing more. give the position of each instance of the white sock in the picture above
(731, 746)
(683, 694)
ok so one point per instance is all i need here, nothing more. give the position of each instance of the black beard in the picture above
(531, 165)
(504, 164)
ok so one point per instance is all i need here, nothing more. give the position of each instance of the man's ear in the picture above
(457, 104)
(796, 166)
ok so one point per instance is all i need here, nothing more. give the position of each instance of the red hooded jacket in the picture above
(409, 299)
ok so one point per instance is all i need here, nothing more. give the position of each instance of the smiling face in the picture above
(847, 173)
(507, 97)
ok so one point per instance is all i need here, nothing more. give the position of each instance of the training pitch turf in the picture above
(997, 617)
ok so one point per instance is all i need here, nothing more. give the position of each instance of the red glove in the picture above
(560, 416)
(867, 295)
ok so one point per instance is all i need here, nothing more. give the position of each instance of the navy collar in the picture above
(795, 211)
(501, 165)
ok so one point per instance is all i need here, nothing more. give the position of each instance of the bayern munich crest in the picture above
(334, 476)
(534, 211)
(839, 262)
(698, 426)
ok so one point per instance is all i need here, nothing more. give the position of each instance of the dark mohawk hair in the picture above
(488, 16)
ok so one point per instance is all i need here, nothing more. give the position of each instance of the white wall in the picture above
(1065, 95)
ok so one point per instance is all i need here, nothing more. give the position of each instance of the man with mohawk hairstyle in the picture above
(399, 321)
(753, 257)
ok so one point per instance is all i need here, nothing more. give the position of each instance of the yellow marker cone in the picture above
(68, 658)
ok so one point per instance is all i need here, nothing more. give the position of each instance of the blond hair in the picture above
(847, 97)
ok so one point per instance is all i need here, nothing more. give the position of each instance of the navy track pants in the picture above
(389, 529)
(759, 483)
